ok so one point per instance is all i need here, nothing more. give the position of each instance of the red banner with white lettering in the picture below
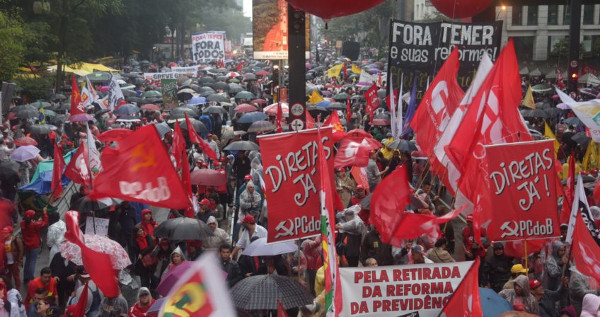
(291, 174)
(522, 185)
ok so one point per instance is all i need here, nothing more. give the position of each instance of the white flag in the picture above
(114, 93)
(93, 153)
(578, 198)
(399, 123)
(393, 124)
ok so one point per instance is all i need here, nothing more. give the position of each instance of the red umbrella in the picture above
(258, 101)
(381, 122)
(150, 106)
(25, 140)
(208, 177)
(244, 107)
(262, 73)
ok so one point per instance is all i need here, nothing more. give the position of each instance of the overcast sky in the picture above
(248, 8)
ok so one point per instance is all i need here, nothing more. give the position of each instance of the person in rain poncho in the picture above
(590, 306)
(17, 309)
(520, 296)
(177, 257)
(219, 237)
(250, 200)
(554, 264)
(56, 234)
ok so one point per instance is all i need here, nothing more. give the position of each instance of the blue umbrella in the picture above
(197, 101)
(492, 304)
(127, 109)
(252, 117)
(323, 103)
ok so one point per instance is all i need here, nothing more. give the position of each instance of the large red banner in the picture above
(522, 184)
(291, 175)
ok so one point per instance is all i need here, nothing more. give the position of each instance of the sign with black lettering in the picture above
(420, 49)
(207, 47)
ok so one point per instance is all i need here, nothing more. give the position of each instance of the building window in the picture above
(532, 15)
(587, 43)
(552, 14)
(517, 15)
(588, 14)
(567, 15)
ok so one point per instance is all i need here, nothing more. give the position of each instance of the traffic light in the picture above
(573, 75)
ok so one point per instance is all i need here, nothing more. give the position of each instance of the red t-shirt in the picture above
(36, 284)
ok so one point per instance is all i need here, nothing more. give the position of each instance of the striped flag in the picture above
(333, 290)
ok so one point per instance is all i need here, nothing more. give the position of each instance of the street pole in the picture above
(296, 62)
(574, 33)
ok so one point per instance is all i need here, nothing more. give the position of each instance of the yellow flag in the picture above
(550, 135)
(315, 97)
(528, 99)
(591, 159)
(335, 71)
(355, 69)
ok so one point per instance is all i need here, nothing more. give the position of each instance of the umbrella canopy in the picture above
(403, 146)
(86, 205)
(24, 153)
(129, 93)
(26, 111)
(183, 110)
(206, 91)
(553, 112)
(262, 292)
(208, 177)
(221, 86)
(538, 113)
(261, 126)
(272, 109)
(8, 169)
(127, 109)
(152, 94)
(118, 256)
(252, 117)
(214, 109)
(196, 124)
(581, 139)
(151, 107)
(42, 128)
(341, 97)
(262, 73)
(242, 146)
(542, 89)
(170, 278)
(258, 101)
(336, 106)
(381, 122)
(234, 88)
(198, 100)
(492, 304)
(249, 77)
(162, 128)
(218, 98)
(260, 247)
(244, 95)
(183, 228)
(573, 121)
(25, 140)
(244, 107)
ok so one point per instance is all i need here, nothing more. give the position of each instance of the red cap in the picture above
(533, 284)
(146, 211)
(360, 187)
(470, 217)
(29, 214)
(7, 229)
(205, 201)
(248, 177)
(144, 119)
(249, 219)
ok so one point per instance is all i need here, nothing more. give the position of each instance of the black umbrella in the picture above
(129, 93)
(244, 95)
(261, 126)
(581, 138)
(206, 90)
(403, 146)
(262, 292)
(206, 79)
(183, 228)
(214, 109)
(242, 146)
(235, 88)
(162, 128)
(197, 124)
(42, 128)
(538, 113)
(341, 97)
(26, 111)
(183, 110)
(336, 106)
(8, 169)
(381, 93)
(553, 112)
(573, 121)
(218, 98)
(221, 86)
(86, 205)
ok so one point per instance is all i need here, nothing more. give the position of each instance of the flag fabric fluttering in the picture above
(548, 134)
(410, 111)
(586, 251)
(465, 300)
(581, 208)
(279, 118)
(333, 290)
(315, 97)
(78, 309)
(195, 138)
(57, 171)
(570, 193)
(114, 93)
(337, 129)
(93, 153)
(77, 106)
(528, 100)
(78, 170)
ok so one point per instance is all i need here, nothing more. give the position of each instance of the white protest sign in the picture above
(159, 76)
(190, 70)
(400, 290)
(101, 225)
(208, 47)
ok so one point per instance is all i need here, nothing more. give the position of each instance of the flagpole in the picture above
(525, 254)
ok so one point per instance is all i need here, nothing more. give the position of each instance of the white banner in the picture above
(368, 78)
(159, 76)
(190, 70)
(100, 224)
(208, 47)
(412, 290)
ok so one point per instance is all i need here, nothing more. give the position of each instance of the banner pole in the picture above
(525, 255)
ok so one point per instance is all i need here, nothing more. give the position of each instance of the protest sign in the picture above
(97, 226)
(159, 76)
(190, 71)
(207, 47)
(400, 290)
(420, 49)
(522, 180)
(169, 93)
(291, 176)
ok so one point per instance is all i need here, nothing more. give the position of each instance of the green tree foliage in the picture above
(37, 87)
(11, 45)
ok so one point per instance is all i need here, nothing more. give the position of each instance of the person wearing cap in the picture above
(520, 297)
(241, 189)
(418, 255)
(13, 245)
(496, 268)
(471, 247)
(359, 194)
(547, 299)
(141, 307)
(204, 213)
(53, 311)
(249, 230)
(515, 270)
(355, 228)
(344, 185)
(30, 230)
(219, 237)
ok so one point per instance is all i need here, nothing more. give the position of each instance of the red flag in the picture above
(195, 138)
(412, 226)
(139, 169)
(360, 176)
(388, 101)
(372, 100)
(465, 299)
(352, 153)
(348, 111)
(97, 264)
(596, 193)
(569, 193)
(345, 70)
(57, 171)
(78, 170)
(239, 67)
(178, 145)
(77, 106)
(310, 121)
(281, 310)
(379, 80)
(559, 79)
(336, 125)
(114, 135)
(278, 118)
(78, 310)
(586, 252)
(436, 107)
(186, 178)
(389, 199)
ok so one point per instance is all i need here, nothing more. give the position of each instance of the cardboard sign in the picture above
(522, 184)
(400, 290)
(207, 47)
(291, 175)
(189, 71)
(100, 225)
(169, 93)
